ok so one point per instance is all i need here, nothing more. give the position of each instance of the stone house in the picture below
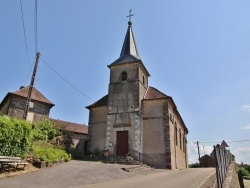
(78, 133)
(207, 161)
(135, 116)
(14, 104)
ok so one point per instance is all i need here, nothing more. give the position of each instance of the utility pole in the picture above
(31, 86)
(198, 150)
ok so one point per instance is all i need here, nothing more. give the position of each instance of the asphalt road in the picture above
(190, 178)
(76, 174)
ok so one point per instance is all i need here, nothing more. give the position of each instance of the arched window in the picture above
(175, 134)
(124, 76)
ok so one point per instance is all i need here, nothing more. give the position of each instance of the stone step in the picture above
(121, 160)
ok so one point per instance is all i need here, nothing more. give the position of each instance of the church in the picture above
(136, 117)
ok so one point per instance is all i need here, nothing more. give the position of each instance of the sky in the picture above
(197, 52)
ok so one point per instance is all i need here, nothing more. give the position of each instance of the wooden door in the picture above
(121, 142)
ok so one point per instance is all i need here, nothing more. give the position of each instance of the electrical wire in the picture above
(24, 33)
(229, 141)
(66, 80)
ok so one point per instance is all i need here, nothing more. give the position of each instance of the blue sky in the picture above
(196, 51)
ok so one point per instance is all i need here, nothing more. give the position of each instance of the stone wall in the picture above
(97, 128)
(17, 105)
(4, 108)
(159, 139)
(178, 143)
(231, 179)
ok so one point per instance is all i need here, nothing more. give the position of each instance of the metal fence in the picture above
(223, 159)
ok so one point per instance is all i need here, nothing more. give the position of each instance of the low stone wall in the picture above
(210, 181)
(42, 164)
(231, 180)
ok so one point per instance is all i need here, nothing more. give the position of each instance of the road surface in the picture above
(190, 178)
(77, 174)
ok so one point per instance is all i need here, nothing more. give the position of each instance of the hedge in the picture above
(15, 137)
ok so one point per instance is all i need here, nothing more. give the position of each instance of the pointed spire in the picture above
(129, 52)
(129, 45)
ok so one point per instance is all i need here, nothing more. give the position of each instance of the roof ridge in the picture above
(23, 92)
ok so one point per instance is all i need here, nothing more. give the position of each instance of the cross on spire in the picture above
(130, 15)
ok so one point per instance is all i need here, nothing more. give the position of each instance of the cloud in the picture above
(242, 154)
(246, 107)
(193, 151)
(247, 126)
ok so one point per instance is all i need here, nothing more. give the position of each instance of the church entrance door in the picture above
(121, 142)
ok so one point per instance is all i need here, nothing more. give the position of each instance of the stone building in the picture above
(14, 104)
(135, 116)
(78, 133)
(207, 161)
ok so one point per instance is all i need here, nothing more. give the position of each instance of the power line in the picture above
(67, 80)
(229, 141)
(24, 33)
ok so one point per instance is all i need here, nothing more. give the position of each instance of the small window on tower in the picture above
(124, 76)
(143, 80)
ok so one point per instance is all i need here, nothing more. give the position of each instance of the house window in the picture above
(124, 76)
(184, 145)
(180, 137)
(31, 105)
(175, 136)
(143, 80)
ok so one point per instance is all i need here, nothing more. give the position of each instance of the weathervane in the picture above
(130, 15)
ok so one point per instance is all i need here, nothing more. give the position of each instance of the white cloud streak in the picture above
(242, 154)
(247, 126)
(246, 107)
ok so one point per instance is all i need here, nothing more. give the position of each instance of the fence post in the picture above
(240, 179)
(217, 168)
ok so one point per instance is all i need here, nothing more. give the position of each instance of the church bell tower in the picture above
(127, 86)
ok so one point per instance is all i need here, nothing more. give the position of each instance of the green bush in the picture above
(96, 152)
(194, 165)
(246, 177)
(244, 171)
(77, 154)
(45, 130)
(49, 153)
(15, 137)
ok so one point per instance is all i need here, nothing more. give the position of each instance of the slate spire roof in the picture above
(129, 50)
(129, 45)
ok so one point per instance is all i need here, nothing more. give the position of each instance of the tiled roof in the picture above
(72, 127)
(101, 102)
(153, 93)
(35, 95)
